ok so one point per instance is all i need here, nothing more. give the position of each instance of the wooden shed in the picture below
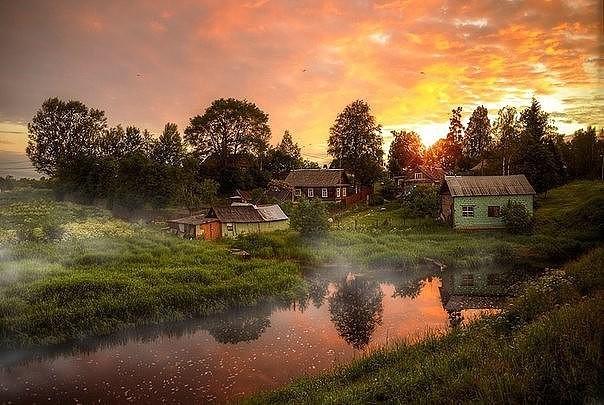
(247, 218)
(475, 202)
(196, 227)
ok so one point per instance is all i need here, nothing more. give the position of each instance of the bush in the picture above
(309, 218)
(517, 219)
(422, 201)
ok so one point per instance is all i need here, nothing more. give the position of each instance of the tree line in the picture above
(226, 147)
(517, 142)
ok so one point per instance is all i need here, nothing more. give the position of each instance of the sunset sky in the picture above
(150, 62)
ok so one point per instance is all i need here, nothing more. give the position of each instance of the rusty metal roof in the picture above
(193, 220)
(317, 178)
(461, 186)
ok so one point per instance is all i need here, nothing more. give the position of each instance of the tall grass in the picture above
(545, 347)
(104, 274)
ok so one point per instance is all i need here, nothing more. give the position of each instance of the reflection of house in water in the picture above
(468, 291)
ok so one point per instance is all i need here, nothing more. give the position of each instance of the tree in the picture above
(62, 131)
(477, 136)
(169, 149)
(229, 127)
(423, 200)
(537, 158)
(507, 138)
(355, 141)
(405, 153)
(309, 218)
(284, 158)
(435, 155)
(584, 154)
(517, 219)
(118, 143)
(452, 146)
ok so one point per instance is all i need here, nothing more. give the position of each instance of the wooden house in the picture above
(424, 174)
(475, 202)
(326, 184)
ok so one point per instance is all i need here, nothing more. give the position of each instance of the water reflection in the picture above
(226, 356)
(465, 294)
(356, 309)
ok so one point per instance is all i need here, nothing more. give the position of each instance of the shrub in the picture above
(517, 219)
(309, 218)
(422, 201)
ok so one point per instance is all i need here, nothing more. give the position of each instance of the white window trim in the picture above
(298, 192)
(324, 193)
(311, 193)
(338, 192)
(343, 191)
(467, 211)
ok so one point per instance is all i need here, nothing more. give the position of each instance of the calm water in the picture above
(230, 356)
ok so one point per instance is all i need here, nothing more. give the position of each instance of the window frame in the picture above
(417, 176)
(496, 209)
(343, 191)
(230, 227)
(467, 211)
(338, 192)
(310, 192)
(297, 192)
(324, 193)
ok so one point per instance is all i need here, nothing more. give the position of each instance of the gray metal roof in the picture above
(193, 220)
(272, 213)
(461, 186)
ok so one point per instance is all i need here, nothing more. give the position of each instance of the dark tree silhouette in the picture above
(169, 149)
(405, 153)
(62, 131)
(477, 136)
(356, 310)
(453, 142)
(355, 142)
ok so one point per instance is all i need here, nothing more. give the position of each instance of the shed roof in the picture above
(248, 213)
(192, 220)
(461, 186)
(317, 178)
(236, 213)
(272, 213)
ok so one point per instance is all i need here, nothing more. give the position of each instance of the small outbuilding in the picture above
(475, 202)
(196, 227)
(239, 219)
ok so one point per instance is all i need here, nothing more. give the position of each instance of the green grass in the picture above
(104, 274)
(568, 221)
(545, 347)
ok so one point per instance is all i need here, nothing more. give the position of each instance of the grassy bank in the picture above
(546, 347)
(568, 221)
(69, 271)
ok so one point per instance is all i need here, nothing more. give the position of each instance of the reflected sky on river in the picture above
(226, 357)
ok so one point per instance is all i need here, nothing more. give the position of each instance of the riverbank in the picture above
(545, 347)
(69, 271)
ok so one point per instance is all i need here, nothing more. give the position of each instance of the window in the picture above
(467, 210)
(297, 192)
(324, 192)
(230, 227)
(311, 192)
(467, 280)
(343, 191)
(494, 211)
(338, 192)
(418, 176)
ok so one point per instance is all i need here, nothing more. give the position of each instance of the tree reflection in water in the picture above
(240, 326)
(356, 309)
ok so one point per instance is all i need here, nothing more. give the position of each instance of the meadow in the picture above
(568, 222)
(69, 271)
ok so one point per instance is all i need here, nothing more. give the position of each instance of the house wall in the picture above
(481, 204)
(240, 228)
(331, 193)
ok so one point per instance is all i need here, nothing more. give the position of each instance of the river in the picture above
(232, 355)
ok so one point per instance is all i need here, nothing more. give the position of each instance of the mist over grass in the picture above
(104, 274)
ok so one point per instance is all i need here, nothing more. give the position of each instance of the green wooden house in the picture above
(475, 202)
